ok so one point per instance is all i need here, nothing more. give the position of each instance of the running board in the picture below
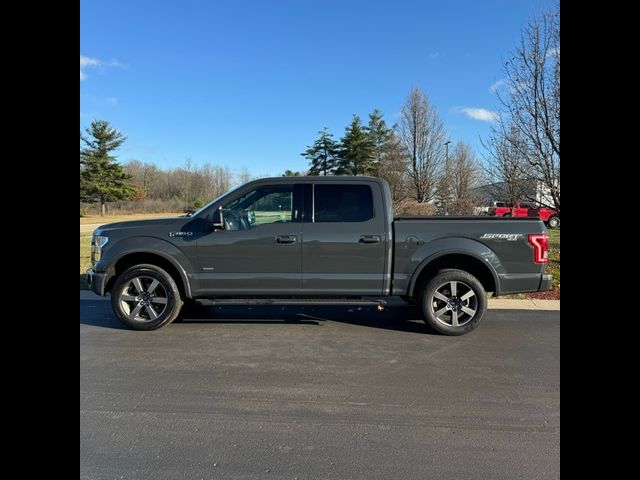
(208, 302)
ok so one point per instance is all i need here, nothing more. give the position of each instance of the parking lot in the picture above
(319, 392)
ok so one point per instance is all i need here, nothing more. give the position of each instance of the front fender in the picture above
(426, 254)
(155, 246)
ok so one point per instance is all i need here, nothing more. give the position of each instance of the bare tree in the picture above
(422, 135)
(392, 166)
(530, 120)
(465, 176)
(185, 185)
(187, 176)
(244, 176)
(144, 176)
(221, 181)
(506, 168)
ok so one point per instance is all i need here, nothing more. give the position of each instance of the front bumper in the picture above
(96, 281)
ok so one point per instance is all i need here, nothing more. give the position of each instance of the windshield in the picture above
(202, 209)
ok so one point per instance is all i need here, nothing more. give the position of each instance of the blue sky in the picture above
(249, 83)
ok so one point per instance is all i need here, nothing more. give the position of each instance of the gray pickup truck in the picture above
(316, 240)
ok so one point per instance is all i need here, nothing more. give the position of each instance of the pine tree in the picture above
(322, 155)
(381, 138)
(101, 177)
(356, 150)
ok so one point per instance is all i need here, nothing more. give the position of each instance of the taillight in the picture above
(540, 242)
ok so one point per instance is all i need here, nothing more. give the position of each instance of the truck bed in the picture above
(502, 245)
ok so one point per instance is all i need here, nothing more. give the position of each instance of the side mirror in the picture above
(218, 220)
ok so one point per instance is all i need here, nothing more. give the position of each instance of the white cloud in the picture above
(89, 62)
(496, 85)
(480, 114)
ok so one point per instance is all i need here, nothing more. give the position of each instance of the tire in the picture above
(438, 298)
(157, 305)
(553, 222)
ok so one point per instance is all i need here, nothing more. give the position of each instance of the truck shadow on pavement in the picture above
(404, 318)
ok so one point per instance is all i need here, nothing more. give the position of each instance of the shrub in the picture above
(412, 207)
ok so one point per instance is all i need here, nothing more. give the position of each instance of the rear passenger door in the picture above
(344, 241)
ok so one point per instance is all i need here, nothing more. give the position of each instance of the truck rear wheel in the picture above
(453, 302)
(145, 297)
(553, 222)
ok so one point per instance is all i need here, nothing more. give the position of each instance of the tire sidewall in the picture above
(442, 278)
(174, 302)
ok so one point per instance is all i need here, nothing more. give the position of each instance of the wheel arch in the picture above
(129, 259)
(465, 261)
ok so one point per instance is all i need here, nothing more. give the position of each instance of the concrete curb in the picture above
(494, 303)
(523, 304)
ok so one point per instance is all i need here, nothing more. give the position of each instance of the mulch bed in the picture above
(548, 295)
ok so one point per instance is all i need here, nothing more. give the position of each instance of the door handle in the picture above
(369, 239)
(286, 239)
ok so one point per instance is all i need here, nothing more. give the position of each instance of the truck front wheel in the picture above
(453, 302)
(146, 297)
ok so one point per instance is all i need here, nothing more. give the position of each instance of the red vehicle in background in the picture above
(522, 209)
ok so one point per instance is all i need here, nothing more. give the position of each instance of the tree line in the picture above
(105, 181)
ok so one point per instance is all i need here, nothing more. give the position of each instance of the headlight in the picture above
(96, 247)
(100, 241)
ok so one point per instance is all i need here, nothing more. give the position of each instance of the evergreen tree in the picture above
(101, 177)
(356, 150)
(322, 155)
(381, 138)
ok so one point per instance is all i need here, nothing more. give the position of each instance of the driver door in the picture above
(258, 252)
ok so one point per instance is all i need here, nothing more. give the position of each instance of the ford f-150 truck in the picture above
(304, 240)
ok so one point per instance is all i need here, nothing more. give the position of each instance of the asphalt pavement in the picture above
(319, 393)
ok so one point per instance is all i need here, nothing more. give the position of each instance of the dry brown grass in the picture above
(97, 219)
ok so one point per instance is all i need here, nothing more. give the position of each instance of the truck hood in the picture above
(142, 224)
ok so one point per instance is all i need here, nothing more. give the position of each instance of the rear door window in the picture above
(342, 203)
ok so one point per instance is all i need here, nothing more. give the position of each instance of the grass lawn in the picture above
(97, 219)
(270, 217)
(85, 258)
